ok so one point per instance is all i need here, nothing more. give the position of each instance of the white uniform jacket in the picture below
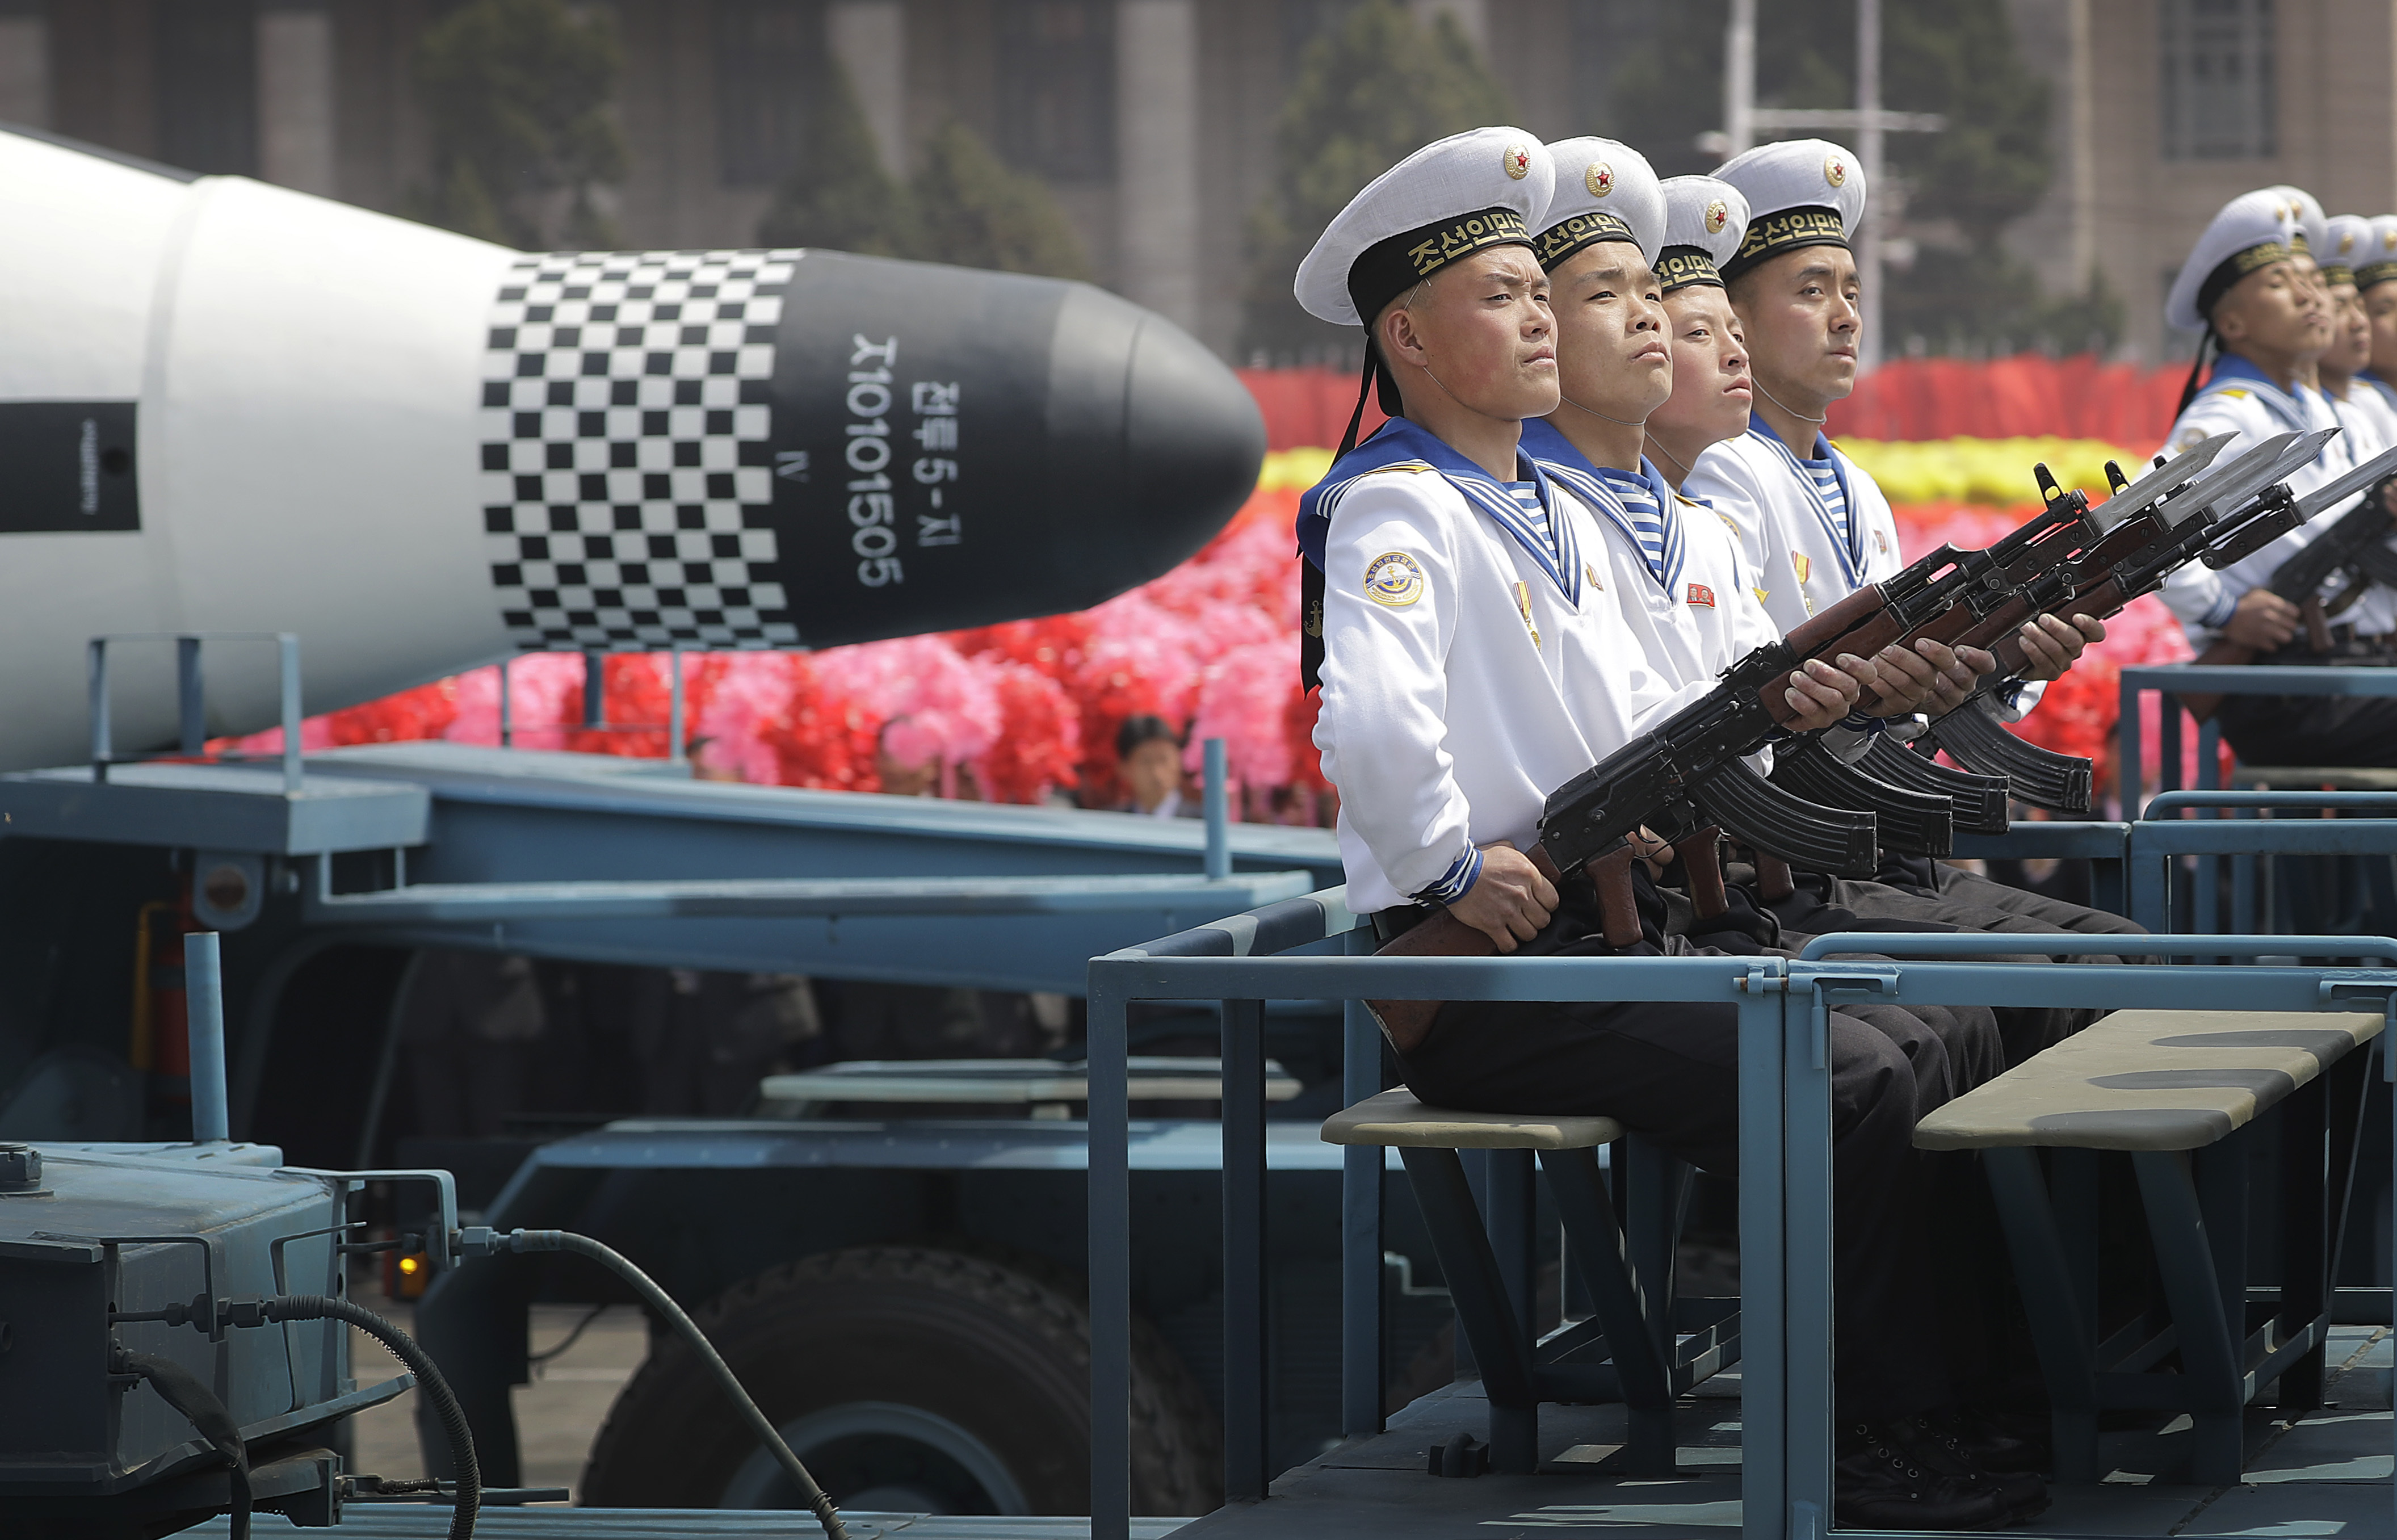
(1464, 680)
(1703, 614)
(1785, 533)
(2239, 399)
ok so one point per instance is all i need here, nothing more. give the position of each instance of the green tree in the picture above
(971, 209)
(964, 206)
(1368, 92)
(518, 93)
(839, 196)
(1962, 186)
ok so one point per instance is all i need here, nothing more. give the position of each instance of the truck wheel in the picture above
(907, 1380)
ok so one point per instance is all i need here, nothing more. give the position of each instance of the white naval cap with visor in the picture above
(1800, 192)
(1605, 191)
(2307, 210)
(1705, 218)
(2347, 244)
(2250, 233)
(2378, 262)
(1467, 193)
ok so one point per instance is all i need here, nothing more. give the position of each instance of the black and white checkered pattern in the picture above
(627, 433)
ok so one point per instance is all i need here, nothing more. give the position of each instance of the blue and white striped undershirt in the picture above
(1646, 518)
(1527, 497)
(1826, 484)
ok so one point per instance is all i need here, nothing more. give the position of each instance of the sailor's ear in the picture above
(1399, 338)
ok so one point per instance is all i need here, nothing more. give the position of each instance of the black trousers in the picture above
(2311, 729)
(1669, 1073)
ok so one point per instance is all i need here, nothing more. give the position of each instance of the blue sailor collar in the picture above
(1851, 546)
(1554, 453)
(1401, 442)
(2232, 370)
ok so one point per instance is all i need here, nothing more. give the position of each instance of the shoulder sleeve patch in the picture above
(1393, 579)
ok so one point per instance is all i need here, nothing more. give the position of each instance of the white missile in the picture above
(226, 407)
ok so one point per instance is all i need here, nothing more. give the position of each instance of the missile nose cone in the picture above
(960, 447)
(1194, 435)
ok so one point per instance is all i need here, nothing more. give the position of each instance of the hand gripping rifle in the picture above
(2354, 544)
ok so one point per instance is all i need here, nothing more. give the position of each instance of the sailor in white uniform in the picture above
(1679, 581)
(2344, 370)
(2375, 270)
(1469, 665)
(2250, 288)
(1812, 523)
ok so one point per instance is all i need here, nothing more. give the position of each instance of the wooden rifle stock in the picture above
(1405, 1022)
(1701, 856)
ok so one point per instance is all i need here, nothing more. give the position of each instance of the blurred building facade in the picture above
(1152, 120)
(2167, 109)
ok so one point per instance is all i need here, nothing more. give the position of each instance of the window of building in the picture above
(1057, 86)
(2219, 98)
(769, 66)
(205, 63)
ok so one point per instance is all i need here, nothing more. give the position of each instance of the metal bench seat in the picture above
(2149, 1080)
(1396, 1120)
(1654, 1346)
(2192, 1096)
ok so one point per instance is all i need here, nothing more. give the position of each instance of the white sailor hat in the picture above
(1800, 192)
(1453, 198)
(1705, 218)
(1606, 191)
(2347, 241)
(2377, 262)
(2307, 210)
(2253, 231)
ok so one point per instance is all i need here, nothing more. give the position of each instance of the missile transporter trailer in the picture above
(902, 1292)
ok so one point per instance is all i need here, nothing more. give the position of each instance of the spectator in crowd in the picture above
(1150, 752)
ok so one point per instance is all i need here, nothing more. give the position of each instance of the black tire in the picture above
(962, 1341)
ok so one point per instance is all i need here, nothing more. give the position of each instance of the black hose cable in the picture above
(546, 1354)
(663, 1304)
(428, 1379)
(182, 1389)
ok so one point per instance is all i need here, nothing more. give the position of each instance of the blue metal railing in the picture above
(191, 702)
(2178, 680)
(1785, 1139)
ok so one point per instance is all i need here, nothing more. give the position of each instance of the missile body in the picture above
(229, 407)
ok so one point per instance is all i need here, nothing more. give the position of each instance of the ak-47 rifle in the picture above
(1918, 803)
(2354, 544)
(2222, 521)
(1691, 771)
(1972, 735)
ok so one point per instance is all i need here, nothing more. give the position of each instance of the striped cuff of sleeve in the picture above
(2225, 606)
(1456, 882)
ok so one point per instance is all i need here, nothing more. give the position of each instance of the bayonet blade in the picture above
(2229, 489)
(2173, 475)
(2378, 468)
